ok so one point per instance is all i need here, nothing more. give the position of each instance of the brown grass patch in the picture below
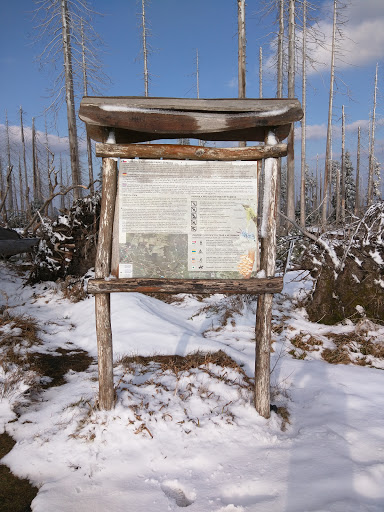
(306, 342)
(338, 355)
(177, 364)
(285, 417)
(353, 343)
(28, 326)
(368, 348)
(73, 289)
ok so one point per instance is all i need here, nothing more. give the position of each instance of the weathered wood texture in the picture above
(153, 285)
(115, 238)
(138, 119)
(102, 270)
(264, 305)
(178, 152)
(104, 351)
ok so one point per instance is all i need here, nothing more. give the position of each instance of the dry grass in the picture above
(285, 417)
(339, 355)
(28, 326)
(306, 342)
(12, 379)
(73, 289)
(177, 364)
(347, 344)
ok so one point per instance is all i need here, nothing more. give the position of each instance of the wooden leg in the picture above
(105, 352)
(264, 303)
(263, 354)
(102, 270)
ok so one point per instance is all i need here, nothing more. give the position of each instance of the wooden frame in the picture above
(199, 286)
(130, 119)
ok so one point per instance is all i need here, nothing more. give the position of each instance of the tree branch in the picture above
(51, 198)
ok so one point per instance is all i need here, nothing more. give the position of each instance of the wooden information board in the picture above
(187, 219)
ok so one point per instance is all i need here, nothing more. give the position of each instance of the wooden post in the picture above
(264, 303)
(102, 300)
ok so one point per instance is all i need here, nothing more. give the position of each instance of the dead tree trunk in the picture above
(303, 121)
(291, 137)
(22, 206)
(145, 50)
(241, 53)
(372, 145)
(85, 89)
(24, 162)
(10, 192)
(280, 41)
(342, 204)
(329, 127)
(70, 100)
(357, 196)
(36, 180)
(260, 72)
(62, 197)
(337, 194)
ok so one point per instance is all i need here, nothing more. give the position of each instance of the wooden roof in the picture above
(140, 119)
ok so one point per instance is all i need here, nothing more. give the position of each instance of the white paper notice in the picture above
(200, 216)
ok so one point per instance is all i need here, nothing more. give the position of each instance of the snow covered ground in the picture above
(191, 437)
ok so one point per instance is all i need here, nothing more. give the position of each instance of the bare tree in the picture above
(260, 72)
(303, 121)
(241, 48)
(337, 195)
(241, 53)
(357, 197)
(342, 165)
(55, 25)
(291, 94)
(85, 85)
(34, 165)
(372, 144)
(24, 161)
(70, 99)
(145, 49)
(61, 25)
(8, 180)
(21, 187)
(280, 43)
(10, 193)
(329, 126)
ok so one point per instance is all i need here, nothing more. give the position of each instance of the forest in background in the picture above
(36, 175)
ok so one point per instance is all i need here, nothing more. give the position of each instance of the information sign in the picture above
(187, 219)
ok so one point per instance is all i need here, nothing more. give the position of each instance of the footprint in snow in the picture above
(173, 490)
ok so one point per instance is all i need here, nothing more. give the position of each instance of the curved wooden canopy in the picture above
(140, 119)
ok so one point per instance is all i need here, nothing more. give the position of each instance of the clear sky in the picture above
(177, 29)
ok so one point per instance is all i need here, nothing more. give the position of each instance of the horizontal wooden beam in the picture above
(136, 119)
(278, 106)
(199, 286)
(179, 152)
(125, 136)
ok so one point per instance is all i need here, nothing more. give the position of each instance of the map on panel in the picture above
(187, 219)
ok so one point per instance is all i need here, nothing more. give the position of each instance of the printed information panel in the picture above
(187, 219)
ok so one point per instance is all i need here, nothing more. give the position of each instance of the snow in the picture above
(193, 439)
(376, 257)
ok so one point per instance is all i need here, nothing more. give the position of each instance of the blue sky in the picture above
(177, 28)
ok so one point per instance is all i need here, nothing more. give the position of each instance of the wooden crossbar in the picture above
(181, 152)
(199, 286)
